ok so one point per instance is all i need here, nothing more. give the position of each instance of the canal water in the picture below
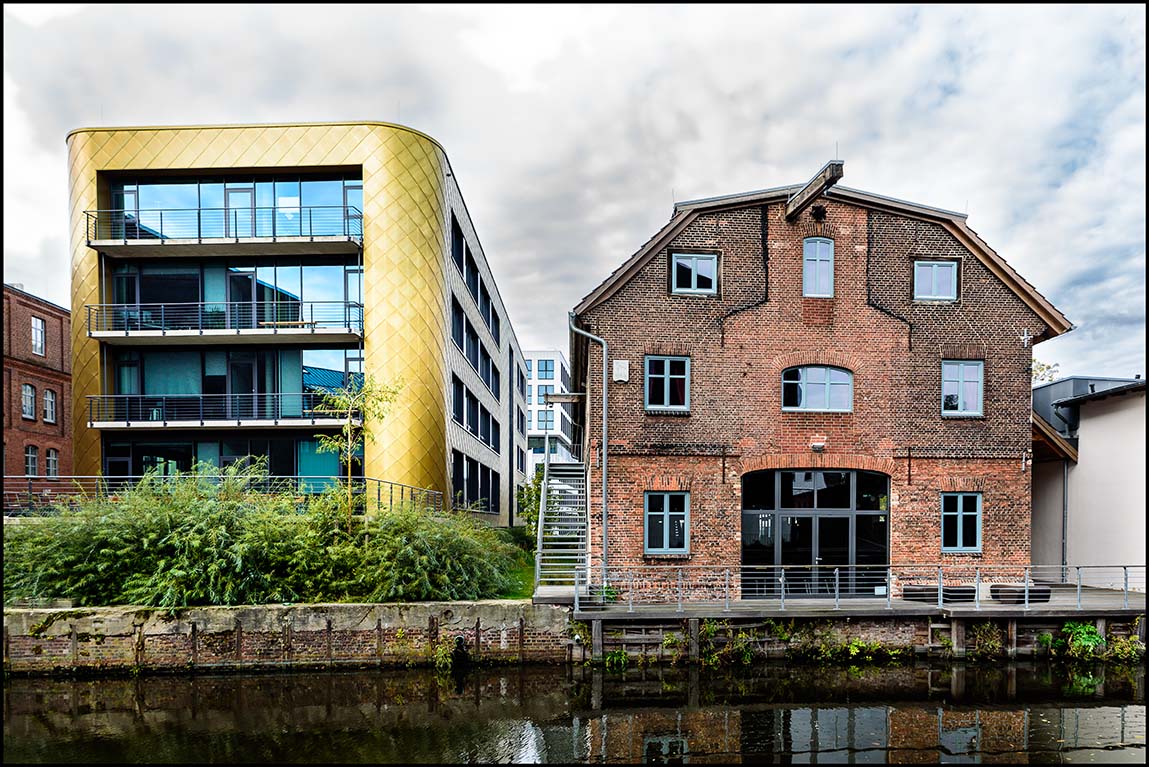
(774, 713)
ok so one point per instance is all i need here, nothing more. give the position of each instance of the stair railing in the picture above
(543, 492)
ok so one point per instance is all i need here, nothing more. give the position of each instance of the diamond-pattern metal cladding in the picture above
(405, 240)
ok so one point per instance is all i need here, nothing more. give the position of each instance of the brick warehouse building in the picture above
(810, 375)
(37, 386)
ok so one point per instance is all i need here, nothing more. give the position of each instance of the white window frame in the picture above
(962, 411)
(39, 336)
(684, 408)
(803, 384)
(31, 452)
(935, 267)
(960, 548)
(664, 550)
(28, 401)
(550, 420)
(692, 289)
(52, 463)
(810, 260)
(49, 406)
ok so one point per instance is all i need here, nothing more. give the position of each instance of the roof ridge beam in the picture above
(825, 178)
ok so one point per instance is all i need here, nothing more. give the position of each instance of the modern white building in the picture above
(548, 372)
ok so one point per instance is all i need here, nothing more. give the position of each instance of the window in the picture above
(668, 383)
(530, 418)
(38, 336)
(484, 426)
(546, 370)
(496, 382)
(935, 280)
(961, 387)
(522, 382)
(961, 522)
(458, 323)
(31, 460)
(485, 304)
(818, 267)
(28, 401)
(667, 523)
(546, 420)
(530, 394)
(458, 396)
(528, 363)
(543, 391)
(496, 326)
(818, 388)
(694, 274)
(471, 275)
(521, 420)
(472, 346)
(496, 436)
(49, 406)
(457, 243)
(472, 407)
(458, 477)
(521, 459)
(52, 462)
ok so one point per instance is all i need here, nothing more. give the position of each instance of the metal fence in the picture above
(942, 585)
(201, 408)
(276, 316)
(225, 223)
(40, 496)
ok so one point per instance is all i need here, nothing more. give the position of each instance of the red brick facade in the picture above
(51, 371)
(759, 324)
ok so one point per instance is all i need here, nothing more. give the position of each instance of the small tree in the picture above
(528, 495)
(1043, 373)
(361, 404)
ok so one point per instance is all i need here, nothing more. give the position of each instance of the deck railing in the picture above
(131, 409)
(40, 496)
(942, 585)
(224, 223)
(273, 316)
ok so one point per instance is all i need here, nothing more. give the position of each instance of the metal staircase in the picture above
(562, 546)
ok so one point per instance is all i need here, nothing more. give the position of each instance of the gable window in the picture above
(818, 388)
(962, 387)
(49, 406)
(961, 522)
(31, 460)
(28, 401)
(818, 267)
(38, 336)
(667, 523)
(668, 383)
(694, 274)
(935, 280)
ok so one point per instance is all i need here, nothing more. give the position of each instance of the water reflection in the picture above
(551, 714)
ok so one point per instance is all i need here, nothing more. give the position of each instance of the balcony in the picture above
(253, 322)
(221, 411)
(312, 230)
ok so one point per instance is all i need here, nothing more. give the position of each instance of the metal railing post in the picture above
(1026, 587)
(727, 608)
(977, 588)
(837, 595)
(782, 580)
(889, 588)
(161, 224)
(680, 589)
(576, 603)
(940, 601)
(1079, 587)
(630, 593)
(1125, 577)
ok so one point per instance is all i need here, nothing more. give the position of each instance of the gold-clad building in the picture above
(224, 276)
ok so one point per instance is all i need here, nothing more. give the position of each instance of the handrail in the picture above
(163, 408)
(224, 223)
(275, 316)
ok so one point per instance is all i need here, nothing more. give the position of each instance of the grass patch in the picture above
(523, 576)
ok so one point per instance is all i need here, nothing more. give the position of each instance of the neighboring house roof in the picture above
(954, 223)
(1113, 392)
(1048, 443)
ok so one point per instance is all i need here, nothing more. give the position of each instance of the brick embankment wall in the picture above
(114, 639)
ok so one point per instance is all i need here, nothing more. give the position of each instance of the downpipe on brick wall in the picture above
(602, 450)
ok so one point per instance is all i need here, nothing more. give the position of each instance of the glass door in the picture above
(241, 388)
(239, 213)
(797, 553)
(241, 300)
(833, 551)
(759, 577)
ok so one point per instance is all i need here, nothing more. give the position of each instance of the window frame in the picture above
(683, 408)
(806, 259)
(43, 336)
(647, 550)
(549, 370)
(52, 463)
(828, 384)
(550, 420)
(32, 452)
(50, 411)
(962, 413)
(960, 549)
(934, 264)
(28, 403)
(677, 290)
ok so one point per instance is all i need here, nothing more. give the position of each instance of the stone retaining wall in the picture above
(269, 636)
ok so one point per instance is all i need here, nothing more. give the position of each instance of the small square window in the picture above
(961, 522)
(694, 274)
(935, 280)
(667, 524)
(962, 387)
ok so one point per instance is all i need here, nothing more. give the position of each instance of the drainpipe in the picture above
(1064, 517)
(597, 340)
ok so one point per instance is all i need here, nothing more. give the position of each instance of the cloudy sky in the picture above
(571, 130)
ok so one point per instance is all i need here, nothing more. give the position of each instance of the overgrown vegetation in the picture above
(985, 641)
(1080, 641)
(527, 495)
(211, 537)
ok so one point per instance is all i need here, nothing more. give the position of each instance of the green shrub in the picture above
(1084, 640)
(985, 641)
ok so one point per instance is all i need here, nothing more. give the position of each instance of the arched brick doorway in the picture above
(805, 523)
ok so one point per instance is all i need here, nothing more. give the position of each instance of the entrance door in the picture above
(241, 383)
(239, 213)
(241, 300)
(797, 553)
(833, 551)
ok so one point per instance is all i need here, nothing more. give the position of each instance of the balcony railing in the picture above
(274, 316)
(225, 223)
(40, 496)
(161, 410)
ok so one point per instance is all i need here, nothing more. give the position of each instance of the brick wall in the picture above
(759, 324)
(52, 371)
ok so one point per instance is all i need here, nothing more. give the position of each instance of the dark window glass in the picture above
(496, 326)
(833, 490)
(458, 323)
(758, 490)
(458, 476)
(873, 491)
(798, 489)
(472, 275)
(456, 243)
(949, 531)
(458, 392)
(472, 480)
(472, 413)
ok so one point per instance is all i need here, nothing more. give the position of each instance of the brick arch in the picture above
(815, 357)
(818, 461)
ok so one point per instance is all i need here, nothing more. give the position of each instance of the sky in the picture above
(573, 129)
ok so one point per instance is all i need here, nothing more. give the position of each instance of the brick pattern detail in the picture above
(740, 341)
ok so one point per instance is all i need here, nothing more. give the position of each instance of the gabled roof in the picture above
(1111, 392)
(686, 212)
(1048, 442)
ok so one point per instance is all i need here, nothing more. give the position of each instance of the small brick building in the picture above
(37, 386)
(847, 385)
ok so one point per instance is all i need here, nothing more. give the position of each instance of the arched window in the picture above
(825, 389)
(818, 267)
